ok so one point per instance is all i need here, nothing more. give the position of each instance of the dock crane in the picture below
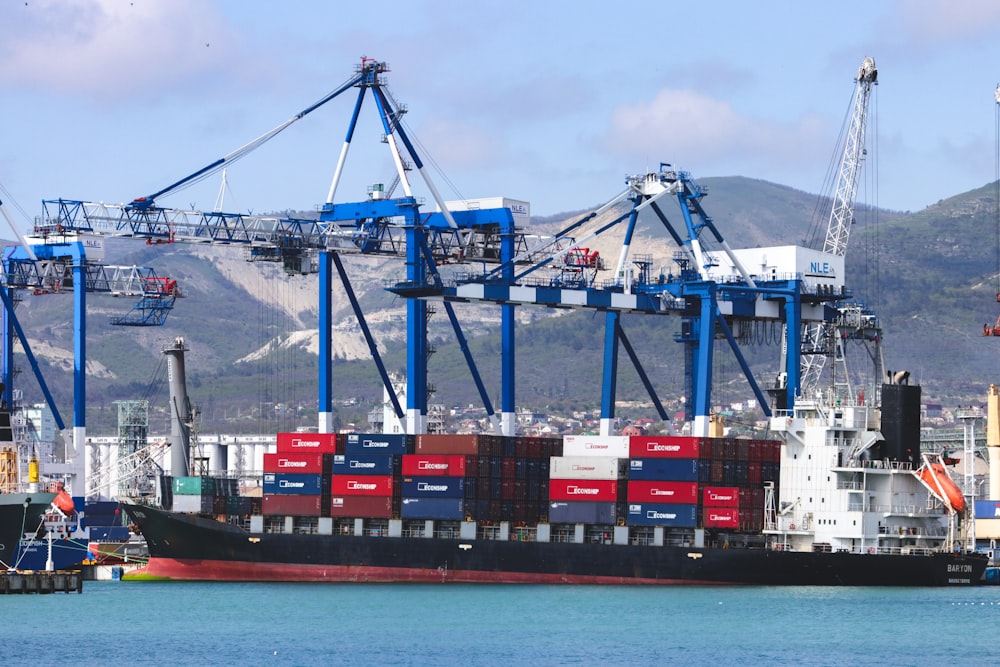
(713, 291)
(377, 226)
(821, 339)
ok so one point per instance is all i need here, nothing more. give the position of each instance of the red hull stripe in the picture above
(216, 570)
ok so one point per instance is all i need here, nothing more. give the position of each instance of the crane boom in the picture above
(842, 215)
(817, 339)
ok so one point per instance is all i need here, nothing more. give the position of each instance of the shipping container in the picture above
(378, 443)
(721, 517)
(191, 503)
(588, 467)
(987, 509)
(433, 487)
(294, 505)
(302, 443)
(227, 486)
(276, 483)
(677, 470)
(302, 463)
(433, 508)
(596, 445)
(641, 491)
(366, 507)
(664, 446)
(366, 464)
(362, 485)
(721, 496)
(464, 444)
(582, 512)
(193, 486)
(655, 514)
(435, 465)
(598, 490)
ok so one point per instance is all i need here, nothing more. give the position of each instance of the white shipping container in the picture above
(596, 445)
(183, 503)
(587, 467)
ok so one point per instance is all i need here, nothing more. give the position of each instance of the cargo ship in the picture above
(841, 497)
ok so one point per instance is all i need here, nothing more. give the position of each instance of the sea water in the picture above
(155, 623)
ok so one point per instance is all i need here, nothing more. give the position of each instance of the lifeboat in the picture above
(936, 478)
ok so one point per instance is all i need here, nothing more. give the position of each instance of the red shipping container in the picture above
(434, 465)
(721, 517)
(366, 507)
(675, 493)
(721, 496)
(306, 464)
(439, 443)
(664, 446)
(596, 490)
(293, 505)
(362, 485)
(303, 443)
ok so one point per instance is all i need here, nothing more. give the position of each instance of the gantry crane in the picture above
(379, 225)
(713, 291)
(822, 341)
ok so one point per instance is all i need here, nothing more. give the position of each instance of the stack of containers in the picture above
(193, 494)
(663, 481)
(433, 486)
(507, 479)
(297, 477)
(365, 480)
(587, 483)
(707, 482)
(721, 507)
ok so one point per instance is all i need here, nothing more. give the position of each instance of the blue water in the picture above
(149, 623)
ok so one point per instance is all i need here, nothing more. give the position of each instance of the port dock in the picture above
(18, 583)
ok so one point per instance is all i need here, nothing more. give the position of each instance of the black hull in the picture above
(189, 547)
(15, 519)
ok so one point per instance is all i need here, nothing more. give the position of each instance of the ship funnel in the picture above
(180, 410)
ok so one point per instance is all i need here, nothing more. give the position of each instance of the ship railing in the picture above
(562, 534)
(522, 534)
(850, 486)
(447, 531)
(489, 532)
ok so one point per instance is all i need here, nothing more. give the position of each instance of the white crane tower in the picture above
(820, 336)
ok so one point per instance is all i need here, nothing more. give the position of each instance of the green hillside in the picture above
(931, 276)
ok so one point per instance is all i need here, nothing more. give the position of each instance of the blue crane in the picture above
(379, 225)
(713, 291)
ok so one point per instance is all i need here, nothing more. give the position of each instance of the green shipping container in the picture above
(194, 486)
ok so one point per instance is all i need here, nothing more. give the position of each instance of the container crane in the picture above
(820, 339)
(379, 226)
(713, 291)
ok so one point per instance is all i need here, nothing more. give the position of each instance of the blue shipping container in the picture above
(581, 512)
(664, 470)
(433, 508)
(987, 509)
(372, 443)
(365, 464)
(655, 514)
(287, 484)
(433, 487)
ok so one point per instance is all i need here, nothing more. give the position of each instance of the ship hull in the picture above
(189, 547)
(15, 519)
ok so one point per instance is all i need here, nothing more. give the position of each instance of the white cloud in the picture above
(111, 48)
(929, 22)
(687, 128)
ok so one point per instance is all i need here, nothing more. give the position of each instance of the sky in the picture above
(553, 103)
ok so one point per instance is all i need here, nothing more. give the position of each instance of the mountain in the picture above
(931, 276)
